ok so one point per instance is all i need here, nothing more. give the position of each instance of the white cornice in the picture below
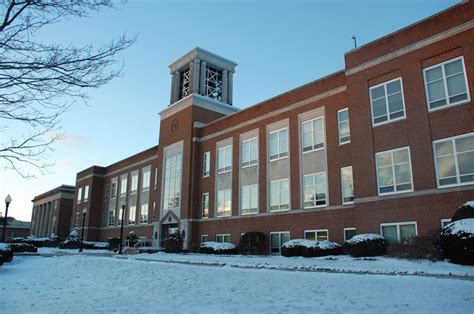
(203, 55)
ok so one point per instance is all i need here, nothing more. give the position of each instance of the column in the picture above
(230, 88)
(48, 214)
(41, 221)
(191, 75)
(224, 86)
(177, 80)
(196, 75)
(173, 83)
(202, 88)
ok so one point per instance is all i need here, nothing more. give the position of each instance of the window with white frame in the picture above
(86, 193)
(347, 185)
(172, 182)
(224, 203)
(123, 186)
(446, 84)
(249, 199)
(387, 102)
(204, 238)
(315, 190)
(445, 222)
(454, 160)
(155, 183)
(277, 239)
(145, 180)
(120, 216)
(113, 190)
(312, 134)
(394, 171)
(224, 159)
(349, 233)
(144, 213)
(223, 238)
(278, 143)
(249, 152)
(132, 214)
(79, 195)
(343, 126)
(205, 205)
(134, 184)
(398, 232)
(206, 164)
(316, 235)
(78, 217)
(279, 195)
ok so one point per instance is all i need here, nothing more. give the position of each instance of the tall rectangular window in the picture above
(86, 193)
(399, 232)
(205, 205)
(204, 238)
(316, 235)
(446, 84)
(394, 171)
(249, 199)
(123, 186)
(387, 102)
(144, 213)
(145, 180)
(278, 143)
(206, 164)
(315, 190)
(277, 239)
(312, 134)
(172, 182)
(249, 152)
(111, 218)
(279, 195)
(224, 203)
(79, 195)
(113, 190)
(343, 126)
(349, 233)
(134, 184)
(155, 183)
(454, 160)
(347, 185)
(132, 214)
(224, 159)
(223, 238)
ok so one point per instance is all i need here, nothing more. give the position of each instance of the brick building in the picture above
(385, 145)
(52, 211)
(15, 228)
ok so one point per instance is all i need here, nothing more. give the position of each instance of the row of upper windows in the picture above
(454, 166)
(132, 215)
(112, 190)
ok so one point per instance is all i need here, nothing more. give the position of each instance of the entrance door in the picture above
(165, 232)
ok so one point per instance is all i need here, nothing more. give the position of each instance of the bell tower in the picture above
(204, 73)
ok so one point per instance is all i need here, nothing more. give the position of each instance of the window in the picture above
(123, 186)
(185, 80)
(132, 214)
(111, 218)
(314, 190)
(86, 193)
(206, 164)
(205, 205)
(113, 190)
(213, 83)
(155, 184)
(347, 185)
(398, 232)
(276, 241)
(224, 159)
(134, 184)
(387, 102)
(454, 160)
(249, 199)
(445, 222)
(279, 195)
(349, 233)
(204, 238)
(316, 235)
(446, 84)
(249, 152)
(312, 134)
(343, 126)
(223, 238)
(79, 195)
(144, 213)
(107, 191)
(394, 171)
(78, 217)
(172, 182)
(278, 143)
(145, 180)
(224, 203)
(120, 216)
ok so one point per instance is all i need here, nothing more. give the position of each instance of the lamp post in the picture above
(8, 200)
(121, 229)
(84, 213)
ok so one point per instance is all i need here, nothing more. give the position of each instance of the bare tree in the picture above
(39, 81)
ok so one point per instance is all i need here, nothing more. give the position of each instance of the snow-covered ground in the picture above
(87, 283)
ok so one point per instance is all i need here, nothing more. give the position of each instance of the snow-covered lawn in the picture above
(88, 283)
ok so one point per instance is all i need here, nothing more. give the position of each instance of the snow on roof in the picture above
(460, 226)
(470, 204)
(311, 244)
(4, 247)
(218, 246)
(364, 237)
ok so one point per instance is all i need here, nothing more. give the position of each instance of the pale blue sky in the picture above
(278, 45)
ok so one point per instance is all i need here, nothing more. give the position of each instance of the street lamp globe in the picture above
(84, 211)
(8, 199)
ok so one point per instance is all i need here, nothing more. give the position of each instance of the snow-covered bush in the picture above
(253, 243)
(463, 212)
(367, 244)
(310, 248)
(41, 242)
(457, 241)
(426, 246)
(174, 242)
(132, 238)
(217, 248)
(114, 243)
(6, 252)
(23, 247)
